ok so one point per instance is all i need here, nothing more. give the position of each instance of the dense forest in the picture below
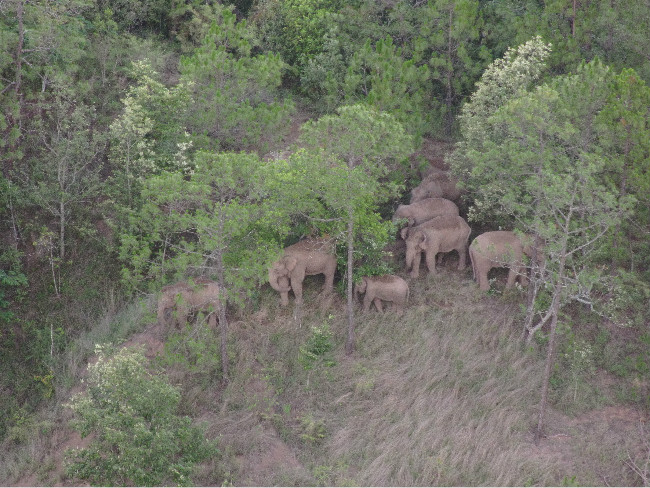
(145, 142)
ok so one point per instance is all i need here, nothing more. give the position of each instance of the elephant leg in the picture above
(523, 276)
(367, 300)
(212, 319)
(329, 278)
(284, 298)
(462, 258)
(182, 312)
(162, 320)
(415, 270)
(482, 270)
(378, 305)
(296, 285)
(472, 260)
(512, 276)
(431, 261)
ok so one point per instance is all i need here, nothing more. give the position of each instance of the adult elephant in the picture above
(436, 184)
(306, 257)
(427, 209)
(389, 288)
(442, 234)
(500, 249)
(203, 294)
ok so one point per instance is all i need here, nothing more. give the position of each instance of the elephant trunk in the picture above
(356, 291)
(273, 281)
(410, 254)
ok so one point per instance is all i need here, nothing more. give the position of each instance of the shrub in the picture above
(138, 438)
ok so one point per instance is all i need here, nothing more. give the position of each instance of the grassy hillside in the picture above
(444, 394)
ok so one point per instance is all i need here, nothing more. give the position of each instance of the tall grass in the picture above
(453, 401)
(442, 394)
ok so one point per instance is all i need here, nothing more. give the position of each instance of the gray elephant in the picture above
(389, 288)
(427, 209)
(307, 257)
(185, 298)
(500, 249)
(442, 234)
(437, 183)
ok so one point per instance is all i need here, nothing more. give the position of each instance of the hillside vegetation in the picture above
(189, 149)
(444, 394)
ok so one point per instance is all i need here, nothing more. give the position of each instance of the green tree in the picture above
(64, 175)
(540, 167)
(236, 103)
(451, 43)
(379, 76)
(623, 129)
(294, 28)
(221, 220)
(138, 437)
(504, 79)
(136, 15)
(357, 150)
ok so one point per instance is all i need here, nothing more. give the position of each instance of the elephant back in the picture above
(318, 245)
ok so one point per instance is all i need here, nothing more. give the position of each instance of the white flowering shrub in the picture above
(137, 437)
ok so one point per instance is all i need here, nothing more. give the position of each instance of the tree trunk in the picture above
(548, 369)
(450, 74)
(19, 49)
(62, 230)
(223, 298)
(350, 344)
(555, 309)
(573, 21)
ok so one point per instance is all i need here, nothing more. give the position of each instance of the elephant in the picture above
(307, 257)
(389, 288)
(424, 210)
(442, 234)
(185, 298)
(498, 249)
(438, 184)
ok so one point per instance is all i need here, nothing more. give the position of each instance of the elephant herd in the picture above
(434, 227)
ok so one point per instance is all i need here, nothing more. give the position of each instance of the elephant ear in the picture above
(364, 284)
(421, 239)
(290, 262)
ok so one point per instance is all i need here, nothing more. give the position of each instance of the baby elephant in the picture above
(389, 288)
(203, 295)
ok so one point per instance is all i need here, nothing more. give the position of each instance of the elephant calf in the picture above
(185, 298)
(499, 249)
(442, 234)
(389, 288)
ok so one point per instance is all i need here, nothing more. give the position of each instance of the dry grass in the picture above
(448, 396)
(442, 394)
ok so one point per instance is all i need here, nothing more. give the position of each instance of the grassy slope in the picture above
(444, 394)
